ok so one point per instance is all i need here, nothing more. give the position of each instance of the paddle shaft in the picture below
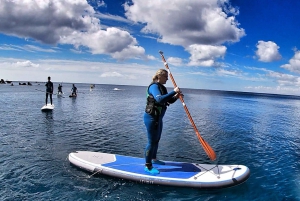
(207, 148)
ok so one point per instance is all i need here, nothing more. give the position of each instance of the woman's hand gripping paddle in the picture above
(209, 151)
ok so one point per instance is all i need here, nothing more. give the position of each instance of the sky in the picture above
(231, 45)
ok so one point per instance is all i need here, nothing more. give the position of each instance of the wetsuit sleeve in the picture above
(154, 90)
(51, 87)
(173, 100)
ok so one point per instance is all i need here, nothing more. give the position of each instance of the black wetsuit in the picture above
(60, 89)
(49, 91)
(154, 122)
(74, 91)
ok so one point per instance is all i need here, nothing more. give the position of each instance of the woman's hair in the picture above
(159, 73)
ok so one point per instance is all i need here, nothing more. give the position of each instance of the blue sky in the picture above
(238, 45)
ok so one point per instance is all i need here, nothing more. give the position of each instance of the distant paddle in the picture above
(207, 148)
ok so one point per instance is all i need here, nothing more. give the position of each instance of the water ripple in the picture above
(257, 131)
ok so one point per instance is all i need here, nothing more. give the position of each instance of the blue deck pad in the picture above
(177, 170)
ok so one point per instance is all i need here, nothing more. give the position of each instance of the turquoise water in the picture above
(257, 130)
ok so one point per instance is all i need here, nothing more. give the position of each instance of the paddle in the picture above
(207, 148)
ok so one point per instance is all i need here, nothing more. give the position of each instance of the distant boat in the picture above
(117, 89)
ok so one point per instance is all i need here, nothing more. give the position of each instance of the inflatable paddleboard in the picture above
(47, 107)
(171, 174)
(73, 96)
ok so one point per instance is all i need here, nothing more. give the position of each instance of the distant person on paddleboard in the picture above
(59, 89)
(49, 90)
(74, 90)
(157, 101)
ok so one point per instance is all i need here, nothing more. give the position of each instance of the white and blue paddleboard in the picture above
(171, 174)
(47, 107)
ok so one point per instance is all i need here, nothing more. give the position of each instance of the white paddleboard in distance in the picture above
(171, 174)
(47, 107)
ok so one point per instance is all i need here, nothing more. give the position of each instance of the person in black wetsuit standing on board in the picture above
(49, 90)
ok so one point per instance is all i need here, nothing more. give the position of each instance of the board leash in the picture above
(85, 177)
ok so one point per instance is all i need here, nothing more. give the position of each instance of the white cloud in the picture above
(186, 23)
(285, 79)
(224, 72)
(9, 47)
(66, 22)
(111, 74)
(25, 64)
(175, 61)
(29, 48)
(116, 75)
(282, 79)
(73, 71)
(34, 48)
(294, 63)
(97, 3)
(45, 20)
(205, 55)
(275, 90)
(119, 44)
(206, 23)
(150, 57)
(267, 51)
(112, 17)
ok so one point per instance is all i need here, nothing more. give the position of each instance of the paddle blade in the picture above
(207, 148)
(209, 151)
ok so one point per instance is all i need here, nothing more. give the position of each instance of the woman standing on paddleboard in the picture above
(157, 101)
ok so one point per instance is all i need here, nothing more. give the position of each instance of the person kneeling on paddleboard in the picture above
(74, 90)
(157, 101)
(59, 89)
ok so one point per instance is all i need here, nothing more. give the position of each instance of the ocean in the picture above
(260, 131)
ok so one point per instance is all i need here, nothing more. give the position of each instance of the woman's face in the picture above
(162, 79)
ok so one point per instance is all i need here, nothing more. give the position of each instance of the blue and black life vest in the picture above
(152, 106)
